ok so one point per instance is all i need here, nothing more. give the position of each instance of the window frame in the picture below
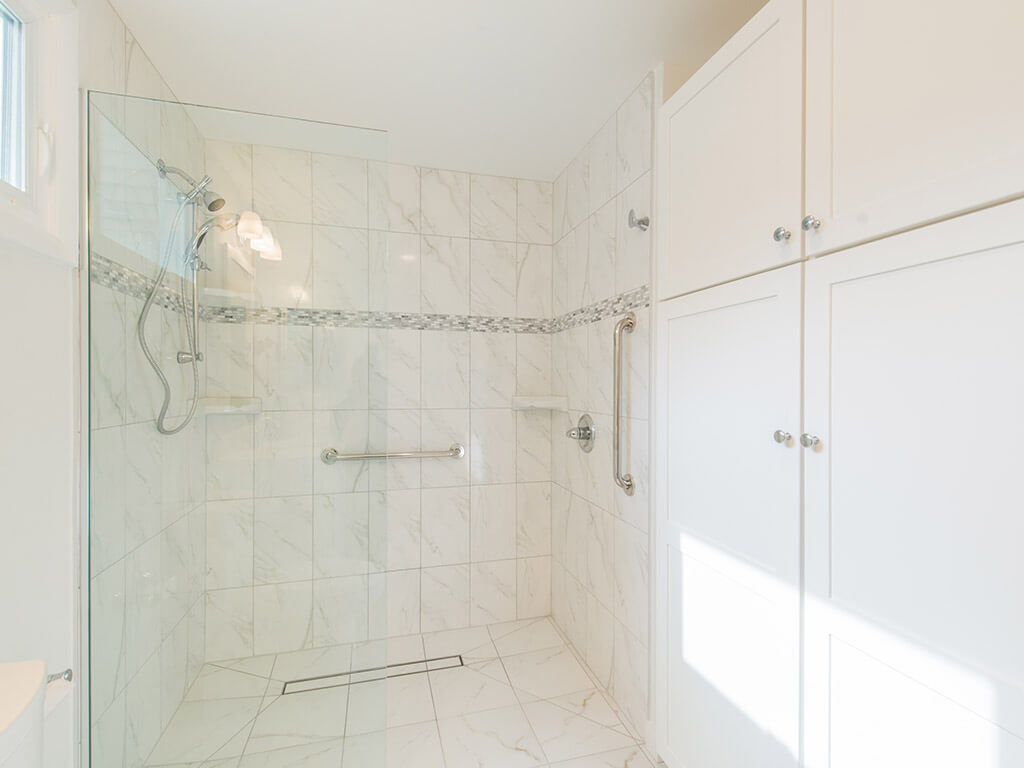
(43, 217)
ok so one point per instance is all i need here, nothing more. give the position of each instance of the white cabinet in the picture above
(728, 524)
(914, 384)
(915, 111)
(730, 143)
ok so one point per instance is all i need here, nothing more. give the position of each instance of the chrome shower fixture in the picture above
(211, 199)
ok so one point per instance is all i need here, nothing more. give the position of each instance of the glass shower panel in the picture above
(238, 583)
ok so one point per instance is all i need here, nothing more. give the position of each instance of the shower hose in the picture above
(190, 332)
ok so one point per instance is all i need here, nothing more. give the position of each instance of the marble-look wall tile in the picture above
(533, 281)
(288, 282)
(492, 592)
(229, 544)
(631, 675)
(107, 504)
(282, 368)
(632, 593)
(282, 617)
(283, 539)
(340, 190)
(533, 447)
(399, 593)
(282, 184)
(492, 279)
(394, 272)
(600, 641)
(601, 253)
(341, 368)
(228, 623)
(492, 370)
(143, 392)
(534, 212)
(601, 554)
(347, 432)
(633, 134)
(107, 356)
(492, 522)
(394, 530)
(341, 535)
(341, 268)
(533, 519)
(492, 453)
(107, 603)
(142, 712)
(533, 364)
(633, 245)
(577, 195)
(445, 274)
(560, 206)
(601, 162)
(445, 598)
(394, 197)
(283, 459)
(229, 359)
(394, 368)
(395, 431)
(445, 369)
(340, 610)
(229, 447)
(533, 587)
(578, 290)
(445, 427)
(445, 526)
(493, 208)
(229, 164)
(445, 202)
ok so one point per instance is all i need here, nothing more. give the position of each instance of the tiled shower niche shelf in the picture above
(210, 406)
(540, 403)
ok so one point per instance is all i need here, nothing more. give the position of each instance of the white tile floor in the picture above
(522, 699)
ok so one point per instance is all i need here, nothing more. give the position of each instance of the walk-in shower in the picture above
(333, 514)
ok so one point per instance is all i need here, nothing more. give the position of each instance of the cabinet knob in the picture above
(810, 222)
(781, 436)
(809, 441)
(781, 235)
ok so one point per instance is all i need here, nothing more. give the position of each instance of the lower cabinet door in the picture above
(728, 524)
(914, 506)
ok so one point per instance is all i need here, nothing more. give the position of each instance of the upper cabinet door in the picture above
(730, 168)
(915, 111)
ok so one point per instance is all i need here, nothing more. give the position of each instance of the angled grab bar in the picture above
(624, 481)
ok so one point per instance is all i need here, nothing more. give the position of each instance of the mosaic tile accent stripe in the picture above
(121, 278)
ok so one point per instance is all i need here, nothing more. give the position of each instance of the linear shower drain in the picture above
(370, 674)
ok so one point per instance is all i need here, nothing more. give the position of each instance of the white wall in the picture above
(38, 534)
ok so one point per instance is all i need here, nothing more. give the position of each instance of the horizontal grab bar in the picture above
(331, 455)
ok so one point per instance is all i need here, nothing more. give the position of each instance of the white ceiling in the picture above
(509, 87)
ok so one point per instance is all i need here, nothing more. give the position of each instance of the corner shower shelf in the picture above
(230, 405)
(540, 403)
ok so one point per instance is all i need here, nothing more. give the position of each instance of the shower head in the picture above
(214, 202)
(211, 199)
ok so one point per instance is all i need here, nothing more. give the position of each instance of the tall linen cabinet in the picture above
(838, 512)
